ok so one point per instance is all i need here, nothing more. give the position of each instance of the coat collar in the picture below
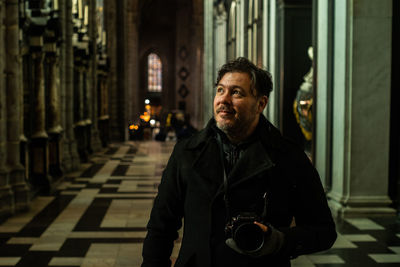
(270, 136)
(256, 158)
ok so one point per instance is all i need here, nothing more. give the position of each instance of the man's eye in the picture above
(220, 90)
(237, 92)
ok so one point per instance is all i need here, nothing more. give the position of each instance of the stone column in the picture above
(361, 110)
(40, 178)
(208, 77)
(196, 59)
(70, 153)
(95, 137)
(269, 57)
(80, 125)
(54, 116)
(116, 120)
(220, 37)
(104, 117)
(131, 48)
(87, 106)
(66, 155)
(323, 119)
(6, 195)
(14, 107)
(240, 28)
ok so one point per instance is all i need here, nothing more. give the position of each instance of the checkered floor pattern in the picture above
(98, 216)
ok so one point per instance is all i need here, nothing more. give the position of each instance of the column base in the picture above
(66, 161)
(39, 174)
(20, 189)
(88, 134)
(41, 184)
(75, 160)
(81, 139)
(6, 197)
(55, 157)
(104, 132)
(366, 206)
(96, 142)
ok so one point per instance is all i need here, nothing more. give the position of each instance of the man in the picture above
(238, 184)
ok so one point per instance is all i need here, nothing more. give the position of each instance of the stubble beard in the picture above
(233, 129)
(237, 129)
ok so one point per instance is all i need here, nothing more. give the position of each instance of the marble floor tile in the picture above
(128, 213)
(325, 259)
(141, 170)
(385, 258)
(302, 261)
(343, 242)
(105, 234)
(359, 237)
(55, 235)
(395, 249)
(9, 261)
(105, 172)
(17, 222)
(22, 240)
(66, 261)
(364, 224)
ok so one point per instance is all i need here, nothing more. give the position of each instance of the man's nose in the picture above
(225, 98)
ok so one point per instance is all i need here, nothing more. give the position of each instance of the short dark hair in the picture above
(261, 79)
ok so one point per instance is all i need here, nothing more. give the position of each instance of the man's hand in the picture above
(273, 242)
(262, 226)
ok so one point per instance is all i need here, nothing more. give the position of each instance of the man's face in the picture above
(236, 108)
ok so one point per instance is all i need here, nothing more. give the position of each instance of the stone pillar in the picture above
(65, 152)
(14, 107)
(70, 151)
(270, 58)
(54, 116)
(208, 76)
(24, 148)
(220, 28)
(240, 28)
(87, 106)
(361, 110)
(95, 137)
(80, 121)
(323, 118)
(196, 59)
(131, 48)
(116, 120)
(40, 178)
(6, 195)
(104, 117)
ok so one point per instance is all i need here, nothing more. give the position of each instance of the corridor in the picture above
(97, 217)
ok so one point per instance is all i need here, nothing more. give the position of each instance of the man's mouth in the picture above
(225, 111)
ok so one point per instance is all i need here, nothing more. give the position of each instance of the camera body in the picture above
(248, 236)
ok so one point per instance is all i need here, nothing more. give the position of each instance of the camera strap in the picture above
(226, 187)
(226, 196)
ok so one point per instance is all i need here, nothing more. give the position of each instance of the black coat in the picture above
(192, 188)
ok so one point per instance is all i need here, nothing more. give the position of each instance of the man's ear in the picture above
(262, 103)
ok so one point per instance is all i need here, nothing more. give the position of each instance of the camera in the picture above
(248, 236)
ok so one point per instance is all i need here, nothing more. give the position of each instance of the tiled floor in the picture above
(98, 217)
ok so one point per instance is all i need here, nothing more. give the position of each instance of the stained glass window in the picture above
(154, 73)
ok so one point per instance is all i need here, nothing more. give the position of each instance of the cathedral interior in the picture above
(94, 94)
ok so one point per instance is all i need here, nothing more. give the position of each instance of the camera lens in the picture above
(249, 237)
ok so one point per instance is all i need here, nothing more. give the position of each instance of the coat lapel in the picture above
(208, 165)
(254, 161)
